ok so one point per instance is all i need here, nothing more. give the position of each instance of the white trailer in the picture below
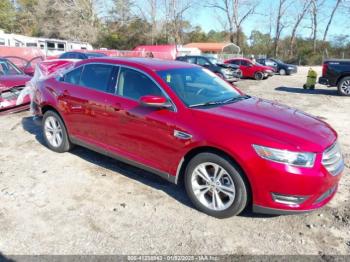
(51, 47)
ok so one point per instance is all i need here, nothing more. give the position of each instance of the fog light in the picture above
(326, 194)
(288, 199)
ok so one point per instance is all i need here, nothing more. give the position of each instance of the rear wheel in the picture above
(55, 133)
(344, 86)
(215, 185)
(258, 76)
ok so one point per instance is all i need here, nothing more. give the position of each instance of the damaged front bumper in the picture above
(9, 103)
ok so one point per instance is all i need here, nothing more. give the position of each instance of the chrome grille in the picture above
(332, 160)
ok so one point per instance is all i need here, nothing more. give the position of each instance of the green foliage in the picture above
(7, 15)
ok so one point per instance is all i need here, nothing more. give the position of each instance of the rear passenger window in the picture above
(97, 76)
(73, 77)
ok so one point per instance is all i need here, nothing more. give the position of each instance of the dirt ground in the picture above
(85, 203)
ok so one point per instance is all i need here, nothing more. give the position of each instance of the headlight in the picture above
(302, 159)
(290, 67)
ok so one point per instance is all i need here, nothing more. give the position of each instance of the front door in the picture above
(141, 133)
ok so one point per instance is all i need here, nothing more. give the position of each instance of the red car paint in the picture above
(10, 87)
(121, 126)
(249, 68)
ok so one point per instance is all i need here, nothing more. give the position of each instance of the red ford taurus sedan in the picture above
(182, 122)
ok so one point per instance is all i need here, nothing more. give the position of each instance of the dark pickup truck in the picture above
(336, 72)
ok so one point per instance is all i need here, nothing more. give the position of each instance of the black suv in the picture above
(230, 73)
(281, 67)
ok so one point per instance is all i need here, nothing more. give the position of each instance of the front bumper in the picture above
(269, 73)
(315, 184)
(292, 71)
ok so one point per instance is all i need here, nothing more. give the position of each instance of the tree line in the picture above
(294, 30)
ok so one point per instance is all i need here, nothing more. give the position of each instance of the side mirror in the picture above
(155, 101)
(206, 65)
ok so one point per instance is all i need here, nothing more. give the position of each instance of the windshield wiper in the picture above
(222, 102)
(235, 99)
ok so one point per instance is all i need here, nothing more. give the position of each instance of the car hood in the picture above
(275, 124)
(10, 81)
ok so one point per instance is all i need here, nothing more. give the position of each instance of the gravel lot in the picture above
(84, 203)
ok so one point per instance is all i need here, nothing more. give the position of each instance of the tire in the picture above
(239, 73)
(344, 86)
(282, 72)
(258, 76)
(53, 125)
(206, 193)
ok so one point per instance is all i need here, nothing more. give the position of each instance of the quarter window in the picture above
(133, 84)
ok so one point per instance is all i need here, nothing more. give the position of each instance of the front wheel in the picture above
(215, 185)
(344, 86)
(258, 76)
(55, 133)
(282, 72)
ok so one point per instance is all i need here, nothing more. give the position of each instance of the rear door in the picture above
(86, 92)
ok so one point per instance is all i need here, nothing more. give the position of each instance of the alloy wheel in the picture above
(213, 186)
(346, 87)
(53, 131)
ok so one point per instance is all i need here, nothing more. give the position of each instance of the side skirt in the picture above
(162, 174)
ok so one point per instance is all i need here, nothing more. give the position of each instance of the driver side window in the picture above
(134, 84)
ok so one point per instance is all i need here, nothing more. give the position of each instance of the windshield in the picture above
(7, 68)
(198, 86)
(277, 61)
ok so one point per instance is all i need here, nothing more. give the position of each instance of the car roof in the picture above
(150, 63)
(239, 58)
(206, 56)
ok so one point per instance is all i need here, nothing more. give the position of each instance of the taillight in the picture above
(324, 69)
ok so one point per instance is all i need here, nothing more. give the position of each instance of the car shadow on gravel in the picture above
(300, 90)
(33, 126)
